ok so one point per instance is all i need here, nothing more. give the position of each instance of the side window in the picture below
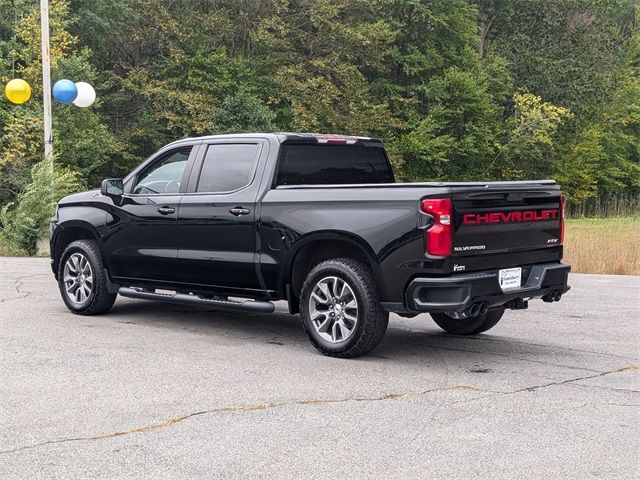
(227, 167)
(164, 175)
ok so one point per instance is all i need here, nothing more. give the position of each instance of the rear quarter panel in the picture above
(383, 222)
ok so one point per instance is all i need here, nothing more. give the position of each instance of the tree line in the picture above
(457, 89)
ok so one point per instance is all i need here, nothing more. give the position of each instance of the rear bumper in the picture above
(457, 292)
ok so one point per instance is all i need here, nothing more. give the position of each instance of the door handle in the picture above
(237, 211)
(166, 210)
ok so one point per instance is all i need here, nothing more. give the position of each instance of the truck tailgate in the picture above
(497, 219)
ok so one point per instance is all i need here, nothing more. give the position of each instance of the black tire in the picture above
(99, 300)
(468, 326)
(372, 319)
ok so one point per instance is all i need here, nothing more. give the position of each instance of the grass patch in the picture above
(603, 245)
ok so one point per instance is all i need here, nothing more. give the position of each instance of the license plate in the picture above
(510, 278)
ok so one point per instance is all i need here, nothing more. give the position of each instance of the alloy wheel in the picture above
(78, 279)
(333, 309)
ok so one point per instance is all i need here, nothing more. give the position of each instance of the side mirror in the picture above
(112, 187)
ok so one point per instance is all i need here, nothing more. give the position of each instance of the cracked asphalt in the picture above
(160, 391)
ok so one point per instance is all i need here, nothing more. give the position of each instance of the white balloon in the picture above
(86, 95)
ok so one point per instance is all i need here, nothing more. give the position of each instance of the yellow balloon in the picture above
(17, 91)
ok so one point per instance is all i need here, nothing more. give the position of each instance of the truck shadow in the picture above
(405, 339)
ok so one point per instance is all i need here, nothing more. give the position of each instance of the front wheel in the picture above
(82, 279)
(341, 310)
(468, 326)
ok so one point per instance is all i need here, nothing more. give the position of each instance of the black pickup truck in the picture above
(239, 221)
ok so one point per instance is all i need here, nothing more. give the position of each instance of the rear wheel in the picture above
(341, 310)
(468, 326)
(82, 279)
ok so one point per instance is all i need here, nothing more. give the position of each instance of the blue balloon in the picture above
(65, 91)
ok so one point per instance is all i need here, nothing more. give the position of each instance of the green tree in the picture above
(243, 112)
(456, 137)
(530, 141)
(329, 55)
(23, 222)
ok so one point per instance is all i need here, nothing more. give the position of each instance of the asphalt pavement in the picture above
(160, 391)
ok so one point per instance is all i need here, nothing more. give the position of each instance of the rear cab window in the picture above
(227, 167)
(313, 164)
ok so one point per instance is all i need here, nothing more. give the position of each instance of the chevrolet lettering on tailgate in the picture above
(502, 217)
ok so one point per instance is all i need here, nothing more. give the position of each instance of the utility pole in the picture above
(46, 80)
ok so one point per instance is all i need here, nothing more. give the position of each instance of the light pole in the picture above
(46, 80)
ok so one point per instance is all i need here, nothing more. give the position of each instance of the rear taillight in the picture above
(439, 237)
(562, 202)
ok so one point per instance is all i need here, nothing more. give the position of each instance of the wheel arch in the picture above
(320, 246)
(68, 232)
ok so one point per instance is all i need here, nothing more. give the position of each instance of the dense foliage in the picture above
(458, 89)
(23, 222)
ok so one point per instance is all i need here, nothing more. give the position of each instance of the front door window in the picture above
(164, 176)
